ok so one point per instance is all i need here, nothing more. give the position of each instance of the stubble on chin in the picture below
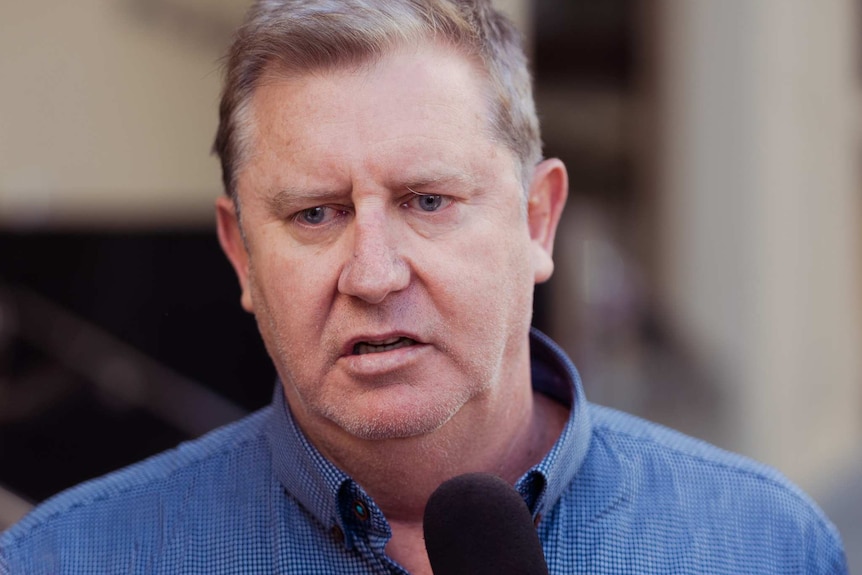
(386, 426)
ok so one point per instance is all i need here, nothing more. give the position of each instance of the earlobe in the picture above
(231, 241)
(548, 192)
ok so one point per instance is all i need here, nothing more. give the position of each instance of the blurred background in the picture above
(708, 265)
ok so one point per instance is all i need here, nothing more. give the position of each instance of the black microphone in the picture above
(477, 524)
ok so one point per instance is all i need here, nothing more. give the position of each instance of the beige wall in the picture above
(106, 117)
(107, 114)
(759, 193)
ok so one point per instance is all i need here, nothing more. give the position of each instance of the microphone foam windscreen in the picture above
(478, 524)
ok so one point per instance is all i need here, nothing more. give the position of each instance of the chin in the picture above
(392, 419)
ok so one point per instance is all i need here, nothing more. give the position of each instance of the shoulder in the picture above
(670, 483)
(193, 475)
(631, 436)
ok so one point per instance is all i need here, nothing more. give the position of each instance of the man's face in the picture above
(387, 256)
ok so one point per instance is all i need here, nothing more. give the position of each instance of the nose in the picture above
(375, 267)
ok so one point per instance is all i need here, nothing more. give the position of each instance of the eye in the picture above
(316, 216)
(428, 202)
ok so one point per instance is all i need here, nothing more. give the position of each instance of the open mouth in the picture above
(364, 347)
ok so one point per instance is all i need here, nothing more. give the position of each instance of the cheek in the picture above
(488, 279)
(295, 292)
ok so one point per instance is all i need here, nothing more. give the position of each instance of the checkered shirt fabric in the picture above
(615, 494)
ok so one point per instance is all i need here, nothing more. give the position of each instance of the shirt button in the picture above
(360, 510)
(337, 533)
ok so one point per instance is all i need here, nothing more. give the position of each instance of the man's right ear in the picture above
(230, 238)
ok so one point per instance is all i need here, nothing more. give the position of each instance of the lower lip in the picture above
(384, 362)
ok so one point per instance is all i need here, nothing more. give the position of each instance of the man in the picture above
(387, 215)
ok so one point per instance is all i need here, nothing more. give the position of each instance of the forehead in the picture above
(422, 106)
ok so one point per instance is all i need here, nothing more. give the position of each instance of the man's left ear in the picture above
(548, 191)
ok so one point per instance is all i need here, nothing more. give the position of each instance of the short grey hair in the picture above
(300, 36)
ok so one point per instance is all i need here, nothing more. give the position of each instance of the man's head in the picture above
(386, 249)
(305, 36)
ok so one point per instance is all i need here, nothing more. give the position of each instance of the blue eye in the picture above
(313, 215)
(429, 202)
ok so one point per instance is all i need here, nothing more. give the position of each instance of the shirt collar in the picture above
(554, 375)
(332, 496)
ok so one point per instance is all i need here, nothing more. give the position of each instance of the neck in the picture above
(505, 436)
(402, 497)
(401, 474)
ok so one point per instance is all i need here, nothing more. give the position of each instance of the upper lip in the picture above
(377, 338)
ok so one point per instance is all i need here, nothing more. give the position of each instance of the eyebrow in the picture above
(450, 179)
(287, 199)
(290, 198)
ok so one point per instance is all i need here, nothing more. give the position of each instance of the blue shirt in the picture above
(615, 494)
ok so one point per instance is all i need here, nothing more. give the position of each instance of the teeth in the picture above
(385, 345)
